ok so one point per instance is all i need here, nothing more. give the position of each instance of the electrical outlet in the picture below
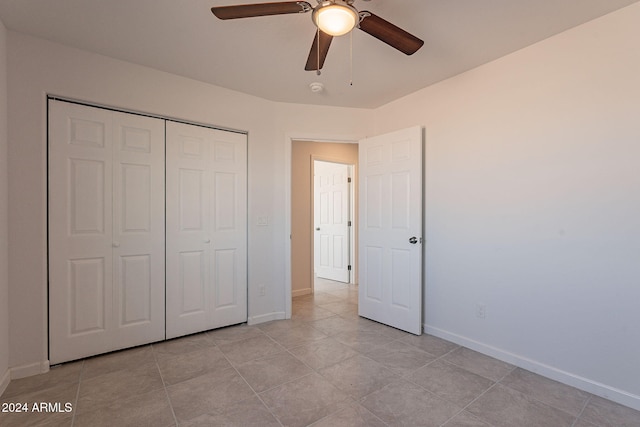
(262, 290)
(481, 310)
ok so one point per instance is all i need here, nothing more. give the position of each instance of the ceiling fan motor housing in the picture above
(335, 17)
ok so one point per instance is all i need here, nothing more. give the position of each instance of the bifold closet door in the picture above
(206, 228)
(106, 230)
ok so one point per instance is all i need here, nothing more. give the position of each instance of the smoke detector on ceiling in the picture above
(316, 87)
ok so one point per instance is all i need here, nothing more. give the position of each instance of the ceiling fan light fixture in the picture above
(336, 17)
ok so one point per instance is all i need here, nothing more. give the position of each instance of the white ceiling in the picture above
(265, 56)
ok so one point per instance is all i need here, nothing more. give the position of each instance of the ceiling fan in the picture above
(332, 18)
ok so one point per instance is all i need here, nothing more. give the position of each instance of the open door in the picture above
(390, 243)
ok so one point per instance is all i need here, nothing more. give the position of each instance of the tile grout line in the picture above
(73, 417)
(252, 389)
(313, 371)
(286, 382)
(584, 406)
(464, 408)
(366, 356)
(164, 385)
(474, 400)
(340, 410)
(471, 415)
(358, 354)
(533, 398)
(408, 379)
(528, 396)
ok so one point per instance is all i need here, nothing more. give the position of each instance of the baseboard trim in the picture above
(4, 382)
(300, 292)
(584, 384)
(262, 318)
(29, 370)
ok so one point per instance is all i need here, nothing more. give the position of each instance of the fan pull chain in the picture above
(351, 58)
(318, 51)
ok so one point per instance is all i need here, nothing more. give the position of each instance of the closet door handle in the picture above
(116, 244)
(207, 240)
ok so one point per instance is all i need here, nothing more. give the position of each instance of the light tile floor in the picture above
(324, 367)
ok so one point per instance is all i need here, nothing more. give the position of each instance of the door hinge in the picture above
(349, 179)
(348, 223)
(349, 268)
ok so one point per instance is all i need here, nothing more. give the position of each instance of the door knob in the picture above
(317, 228)
(413, 240)
(116, 244)
(207, 240)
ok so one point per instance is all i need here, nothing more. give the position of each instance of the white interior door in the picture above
(331, 220)
(390, 251)
(206, 228)
(106, 230)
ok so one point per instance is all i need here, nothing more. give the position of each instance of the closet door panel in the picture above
(87, 196)
(106, 230)
(138, 231)
(191, 286)
(188, 224)
(136, 291)
(206, 229)
(80, 229)
(86, 300)
(230, 228)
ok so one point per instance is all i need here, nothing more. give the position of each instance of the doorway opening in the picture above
(327, 256)
(391, 282)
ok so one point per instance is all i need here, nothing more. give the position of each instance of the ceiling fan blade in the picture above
(390, 34)
(261, 9)
(319, 50)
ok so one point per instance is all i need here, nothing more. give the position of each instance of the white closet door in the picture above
(106, 225)
(206, 228)
(138, 228)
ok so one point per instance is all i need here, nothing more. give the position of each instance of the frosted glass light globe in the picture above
(335, 19)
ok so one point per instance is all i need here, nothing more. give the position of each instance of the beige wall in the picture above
(4, 254)
(302, 154)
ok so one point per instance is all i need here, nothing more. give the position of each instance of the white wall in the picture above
(533, 205)
(38, 67)
(4, 226)
(533, 196)
(308, 123)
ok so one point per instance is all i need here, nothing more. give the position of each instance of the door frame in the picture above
(44, 365)
(352, 252)
(288, 143)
